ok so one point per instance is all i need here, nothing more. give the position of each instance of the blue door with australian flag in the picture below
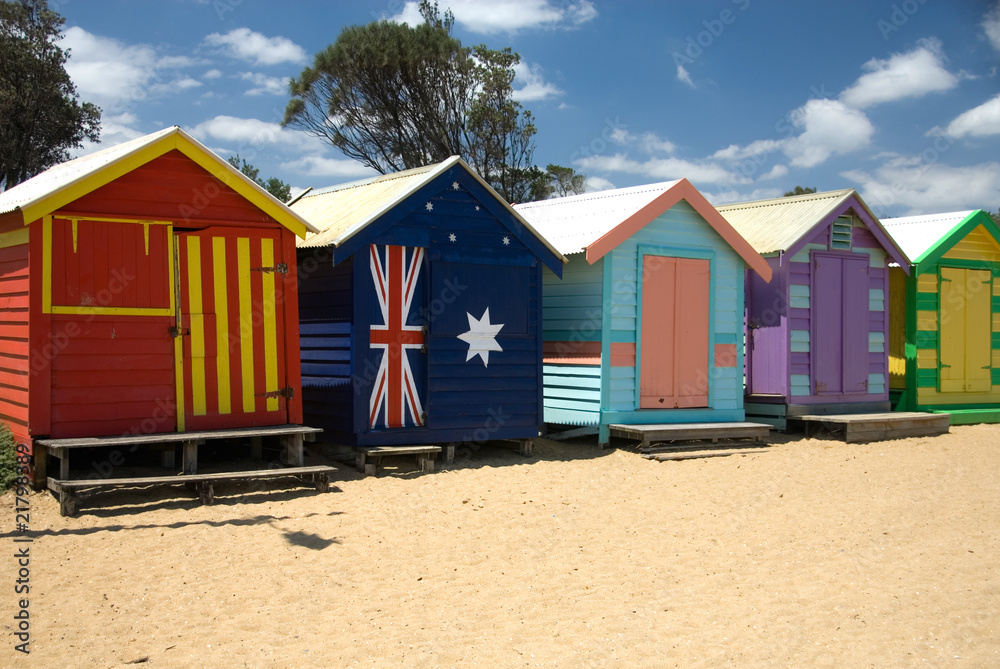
(434, 297)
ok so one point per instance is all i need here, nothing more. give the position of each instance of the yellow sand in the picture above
(813, 553)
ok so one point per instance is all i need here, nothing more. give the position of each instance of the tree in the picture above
(395, 97)
(995, 215)
(799, 190)
(557, 181)
(41, 118)
(273, 185)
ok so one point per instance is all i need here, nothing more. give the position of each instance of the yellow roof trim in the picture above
(191, 148)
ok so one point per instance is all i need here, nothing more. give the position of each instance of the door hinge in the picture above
(280, 268)
(287, 392)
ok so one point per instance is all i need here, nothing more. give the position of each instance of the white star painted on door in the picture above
(506, 241)
(481, 337)
(454, 184)
(429, 206)
(477, 207)
(452, 237)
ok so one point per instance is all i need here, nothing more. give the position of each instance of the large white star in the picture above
(481, 337)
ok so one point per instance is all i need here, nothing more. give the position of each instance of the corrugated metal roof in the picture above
(340, 211)
(574, 222)
(775, 225)
(66, 174)
(917, 234)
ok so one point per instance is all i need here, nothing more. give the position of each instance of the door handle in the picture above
(178, 332)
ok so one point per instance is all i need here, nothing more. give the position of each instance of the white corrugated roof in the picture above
(775, 225)
(917, 234)
(574, 222)
(66, 174)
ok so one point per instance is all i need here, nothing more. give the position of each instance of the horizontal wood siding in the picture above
(112, 375)
(677, 230)
(571, 306)
(14, 347)
(174, 188)
(573, 394)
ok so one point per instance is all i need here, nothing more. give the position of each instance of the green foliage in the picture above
(40, 116)
(995, 215)
(8, 457)
(799, 190)
(395, 97)
(276, 187)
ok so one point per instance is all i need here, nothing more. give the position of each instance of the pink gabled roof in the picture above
(596, 223)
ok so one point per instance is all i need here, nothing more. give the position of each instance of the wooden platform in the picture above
(971, 416)
(863, 427)
(369, 458)
(649, 434)
(291, 436)
(318, 476)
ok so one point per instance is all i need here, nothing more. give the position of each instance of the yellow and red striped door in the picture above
(230, 366)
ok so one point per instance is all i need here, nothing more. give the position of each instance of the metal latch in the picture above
(177, 332)
(287, 392)
(280, 268)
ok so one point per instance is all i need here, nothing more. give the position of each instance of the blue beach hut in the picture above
(646, 326)
(420, 310)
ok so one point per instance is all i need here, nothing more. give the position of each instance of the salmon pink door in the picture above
(229, 342)
(674, 333)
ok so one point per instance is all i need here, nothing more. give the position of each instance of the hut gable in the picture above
(421, 309)
(945, 333)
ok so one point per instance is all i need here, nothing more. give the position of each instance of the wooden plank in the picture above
(664, 457)
(685, 431)
(396, 450)
(128, 440)
(59, 485)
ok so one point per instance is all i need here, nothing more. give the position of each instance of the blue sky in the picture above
(745, 98)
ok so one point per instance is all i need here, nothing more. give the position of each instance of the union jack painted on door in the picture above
(397, 342)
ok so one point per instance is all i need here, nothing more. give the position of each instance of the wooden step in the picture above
(866, 427)
(648, 434)
(425, 456)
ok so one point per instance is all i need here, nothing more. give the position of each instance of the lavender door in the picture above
(839, 324)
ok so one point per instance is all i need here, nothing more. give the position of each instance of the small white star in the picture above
(452, 237)
(477, 207)
(506, 241)
(454, 185)
(481, 337)
(429, 206)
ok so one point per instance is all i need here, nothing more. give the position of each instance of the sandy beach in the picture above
(811, 553)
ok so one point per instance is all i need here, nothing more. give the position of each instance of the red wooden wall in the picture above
(14, 348)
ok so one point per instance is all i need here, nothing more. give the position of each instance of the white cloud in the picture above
(318, 166)
(249, 134)
(177, 62)
(180, 84)
(648, 142)
(265, 84)
(683, 76)
(991, 26)
(106, 71)
(775, 172)
(661, 168)
(212, 74)
(828, 127)
(595, 184)
(758, 149)
(115, 129)
(533, 84)
(245, 44)
(508, 15)
(981, 121)
(921, 187)
(902, 75)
